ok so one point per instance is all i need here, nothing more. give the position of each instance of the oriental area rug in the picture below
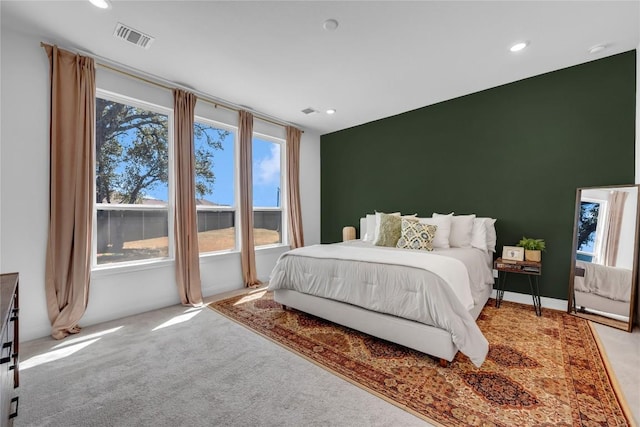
(540, 371)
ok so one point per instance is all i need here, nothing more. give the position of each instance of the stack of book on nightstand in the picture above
(518, 266)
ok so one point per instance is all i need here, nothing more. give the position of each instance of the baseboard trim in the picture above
(553, 303)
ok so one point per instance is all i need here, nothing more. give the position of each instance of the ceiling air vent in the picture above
(133, 36)
(309, 110)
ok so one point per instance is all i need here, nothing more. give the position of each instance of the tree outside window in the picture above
(133, 179)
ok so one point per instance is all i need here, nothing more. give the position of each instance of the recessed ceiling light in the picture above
(518, 46)
(331, 111)
(597, 48)
(102, 4)
(330, 24)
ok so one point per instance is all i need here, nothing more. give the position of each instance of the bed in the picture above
(602, 289)
(427, 301)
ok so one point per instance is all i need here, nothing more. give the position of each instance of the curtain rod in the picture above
(169, 85)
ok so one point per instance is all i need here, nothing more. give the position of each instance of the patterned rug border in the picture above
(617, 389)
(324, 367)
(601, 350)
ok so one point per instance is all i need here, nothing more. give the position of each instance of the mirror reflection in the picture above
(602, 285)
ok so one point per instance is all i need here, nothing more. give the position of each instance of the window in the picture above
(267, 190)
(132, 187)
(590, 230)
(215, 189)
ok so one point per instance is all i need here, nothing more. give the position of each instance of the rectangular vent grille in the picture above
(309, 110)
(130, 35)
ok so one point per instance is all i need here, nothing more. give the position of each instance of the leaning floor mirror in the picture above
(604, 261)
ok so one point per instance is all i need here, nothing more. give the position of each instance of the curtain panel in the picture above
(247, 246)
(185, 224)
(71, 133)
(294, 212)
(614, 226)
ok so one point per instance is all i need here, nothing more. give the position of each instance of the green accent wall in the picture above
(516, 152)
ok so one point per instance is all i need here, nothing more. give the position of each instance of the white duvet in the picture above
(609, 282)
(422, 286)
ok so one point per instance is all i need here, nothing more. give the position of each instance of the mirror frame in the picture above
(634, 273)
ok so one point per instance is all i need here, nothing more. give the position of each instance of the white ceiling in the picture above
(385, 58)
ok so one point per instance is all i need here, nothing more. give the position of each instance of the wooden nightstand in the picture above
(532, 269)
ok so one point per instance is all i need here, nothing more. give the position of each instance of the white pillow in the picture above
(441, 239)
(461, 227)
(376, 232)
(479, 234)
(371, 228)
(491, 233)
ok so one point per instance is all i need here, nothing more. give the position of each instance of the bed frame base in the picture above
(418, 336)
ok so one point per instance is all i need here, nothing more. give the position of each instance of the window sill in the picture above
(272, 248)
(112, 269)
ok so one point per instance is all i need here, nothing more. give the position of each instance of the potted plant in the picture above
(532, 248)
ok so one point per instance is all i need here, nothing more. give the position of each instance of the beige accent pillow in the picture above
(416, 235)
(389, 230)
(377, 227)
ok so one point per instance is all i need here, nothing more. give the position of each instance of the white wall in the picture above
(24, 192)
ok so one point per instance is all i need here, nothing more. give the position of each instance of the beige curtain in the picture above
(185, 226)
(68, 259)
(247, 248)
(614, 226)
(296, 237)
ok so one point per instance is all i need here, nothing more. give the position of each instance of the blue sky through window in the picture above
(266, 174)
(223, 169)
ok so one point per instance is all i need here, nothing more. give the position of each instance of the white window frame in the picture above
(236, 180)
(123, 99)
(283, 191)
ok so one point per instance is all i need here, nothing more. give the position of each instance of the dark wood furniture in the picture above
(9, 340)
(532, 269)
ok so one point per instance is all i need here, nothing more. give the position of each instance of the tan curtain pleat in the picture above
(614, 226)
(68, 258)
(296, 237)
(185, 225)
(247, 248)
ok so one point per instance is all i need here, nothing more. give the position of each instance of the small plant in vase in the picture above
(532, 248)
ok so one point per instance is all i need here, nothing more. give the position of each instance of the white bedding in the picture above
(394, 281)
(609, 282)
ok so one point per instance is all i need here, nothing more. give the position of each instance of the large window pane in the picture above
(131, 154)
(131, 235)
(267, 227)
(267, 179)
(216, 230)
(266, 174)
(215, 187)
(132, 157)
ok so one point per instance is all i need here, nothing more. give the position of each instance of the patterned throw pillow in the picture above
(415, 235)
(389, 233)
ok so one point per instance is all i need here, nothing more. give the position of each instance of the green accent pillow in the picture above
(389, 233)
(415, 235)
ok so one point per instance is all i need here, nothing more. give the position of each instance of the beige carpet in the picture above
(541, 371)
